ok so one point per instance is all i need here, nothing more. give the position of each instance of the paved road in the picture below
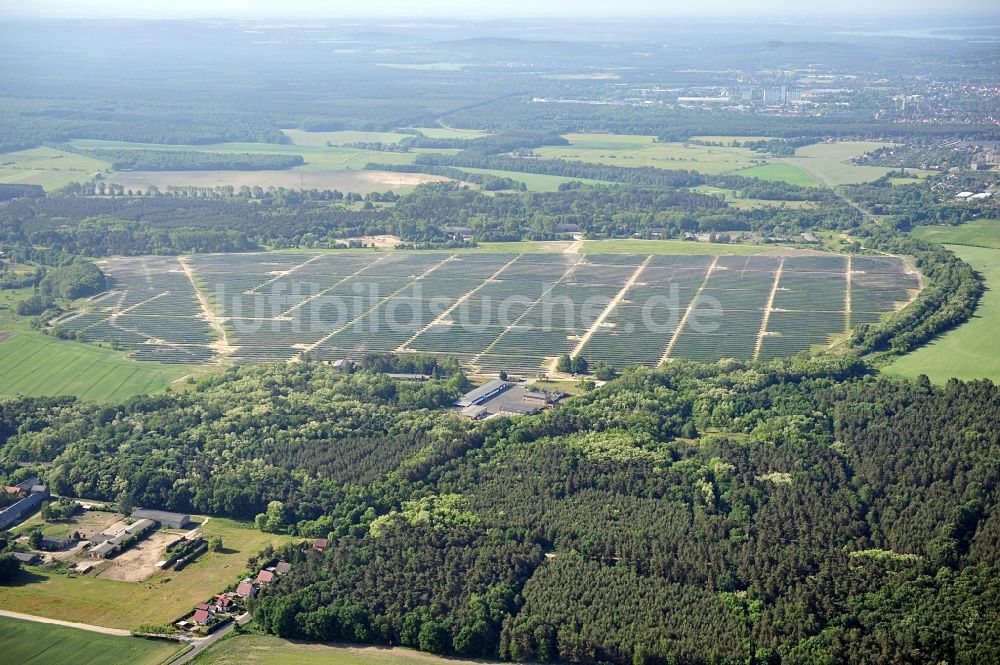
(202, 643)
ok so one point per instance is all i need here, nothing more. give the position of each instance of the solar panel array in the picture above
(516, 312)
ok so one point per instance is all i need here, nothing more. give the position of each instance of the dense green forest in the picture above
(799, 510)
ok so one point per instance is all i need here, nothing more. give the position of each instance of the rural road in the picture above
(202, 643)
(118, 632)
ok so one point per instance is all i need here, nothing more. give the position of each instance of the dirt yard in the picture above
(382, 242)
(138, 562)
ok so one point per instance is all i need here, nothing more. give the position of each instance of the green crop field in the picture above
(267, 650)
(32, 363)
(635, 150)
(48, 167)
(37, 364)
(969, 351)
(30, 643)
(978, 233)
(160, 599)
(793, 175)
(513, 306)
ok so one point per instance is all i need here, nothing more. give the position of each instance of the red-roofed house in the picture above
(223, 601)
(265, 576)
(201, 606)
(320, 545)
(245, 589)
(200, 617)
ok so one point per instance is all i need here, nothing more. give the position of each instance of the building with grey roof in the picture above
(484, 392)
(165, 518)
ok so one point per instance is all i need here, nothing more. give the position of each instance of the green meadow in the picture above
(969, 351)
(32, 363)
(793, 175)
(978, 233)
(48, 167)
(830, 163)
(635, 150)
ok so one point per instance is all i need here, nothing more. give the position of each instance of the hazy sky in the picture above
(474, 8)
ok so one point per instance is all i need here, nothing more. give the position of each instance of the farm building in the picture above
(514, 401)
(54, 543)
(475, 411)
(27, 558)
(23, 486)
(123, 539)
(166, 519)
(409, 377)
(482, 393)
(22, 508)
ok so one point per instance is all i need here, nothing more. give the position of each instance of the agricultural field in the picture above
(634, 150)
(969, 351)
(268, 650)
(789, 173)
(32, 363)
(358, 181)
(159, 599)
(28, 643)
(830, 163)
(978, 233)
(48, 167)
(325, 168)
(493, 310)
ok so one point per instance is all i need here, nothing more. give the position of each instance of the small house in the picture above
(265, 576)
(246, 589)
(321, 544)
(282, 567)
(201, 617)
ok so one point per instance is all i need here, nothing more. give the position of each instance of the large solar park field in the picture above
(515, 312)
